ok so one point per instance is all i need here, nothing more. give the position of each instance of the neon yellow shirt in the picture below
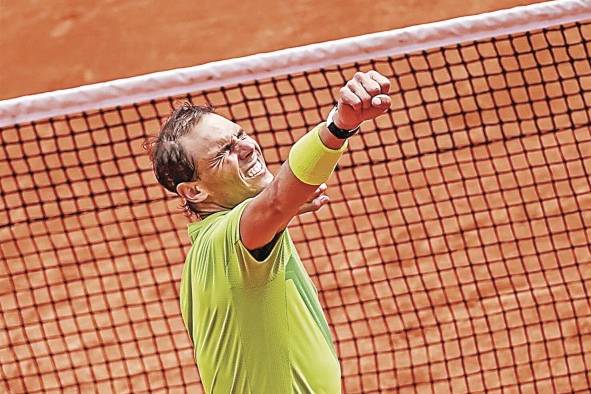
(257, 327)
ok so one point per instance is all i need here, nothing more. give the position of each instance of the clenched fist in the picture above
(364, 97)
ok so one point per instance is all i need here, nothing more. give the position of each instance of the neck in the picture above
(207, 208)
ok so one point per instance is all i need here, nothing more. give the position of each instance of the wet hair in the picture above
(171, 162)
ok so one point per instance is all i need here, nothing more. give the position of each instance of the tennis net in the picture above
(454, 256)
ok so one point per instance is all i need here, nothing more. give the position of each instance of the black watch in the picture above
(336, 131)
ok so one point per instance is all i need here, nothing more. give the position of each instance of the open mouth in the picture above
(256, 169)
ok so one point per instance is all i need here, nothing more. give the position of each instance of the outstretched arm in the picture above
(296, 186)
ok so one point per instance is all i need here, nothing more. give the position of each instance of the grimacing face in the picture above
(229, 163)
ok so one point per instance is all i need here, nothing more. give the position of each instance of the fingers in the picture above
(371, 86)
(361, 90)
(316, 201)
(381, 101)
(321, 189)
(349, 98)
(315, 204)
(365, 88)
(380, 80)
(364, 97)
(320, 201)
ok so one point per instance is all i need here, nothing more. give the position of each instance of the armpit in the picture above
(261, 254)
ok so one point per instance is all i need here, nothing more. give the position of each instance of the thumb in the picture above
(381, 101)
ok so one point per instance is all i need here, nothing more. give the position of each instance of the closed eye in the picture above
(228, 147)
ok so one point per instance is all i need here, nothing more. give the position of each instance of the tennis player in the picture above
(249, 306)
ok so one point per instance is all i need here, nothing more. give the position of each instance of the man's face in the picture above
(229, 163)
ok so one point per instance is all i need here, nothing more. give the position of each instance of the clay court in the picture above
(454, 256)
(65, 43)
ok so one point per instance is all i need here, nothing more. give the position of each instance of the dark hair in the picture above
(172, 164)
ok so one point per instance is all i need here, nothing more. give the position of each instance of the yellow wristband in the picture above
(311, 161)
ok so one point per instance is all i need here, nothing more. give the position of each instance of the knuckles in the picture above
(359, 76)
(374, 74)
(362, 87)
(373, 91)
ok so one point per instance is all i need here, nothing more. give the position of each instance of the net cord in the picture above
(292, 60)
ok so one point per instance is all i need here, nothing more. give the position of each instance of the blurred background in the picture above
(47, 45)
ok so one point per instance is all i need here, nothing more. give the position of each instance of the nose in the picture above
(245, 149)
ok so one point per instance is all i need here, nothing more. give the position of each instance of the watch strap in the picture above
(336, 131)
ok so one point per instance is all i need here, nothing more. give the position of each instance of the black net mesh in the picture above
(454, 257)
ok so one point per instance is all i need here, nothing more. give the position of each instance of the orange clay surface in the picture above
(56, 44)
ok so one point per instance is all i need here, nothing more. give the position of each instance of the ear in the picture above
(191, 192)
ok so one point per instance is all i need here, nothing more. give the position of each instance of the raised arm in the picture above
(311, 161)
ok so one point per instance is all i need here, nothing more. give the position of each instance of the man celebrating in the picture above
(249, 306)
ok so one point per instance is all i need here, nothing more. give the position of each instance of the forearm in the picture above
(310, 163)
(312, 159)
(330, 141)
(292, 186)
(288, 195)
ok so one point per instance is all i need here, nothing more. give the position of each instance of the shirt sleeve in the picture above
(243, 269)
